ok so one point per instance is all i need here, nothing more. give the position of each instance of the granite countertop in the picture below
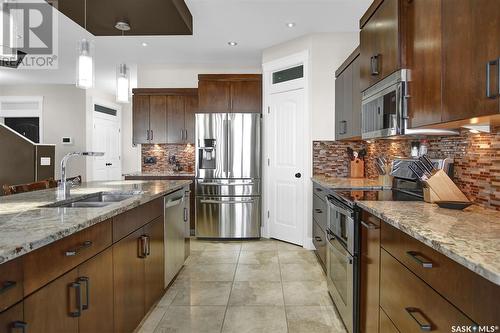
(26, 226)
(161, 174)
(349, 183)
(470, 237)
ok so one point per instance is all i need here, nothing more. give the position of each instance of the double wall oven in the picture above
(342, 261)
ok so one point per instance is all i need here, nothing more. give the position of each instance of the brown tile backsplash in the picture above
(476, 160)
(183, 153)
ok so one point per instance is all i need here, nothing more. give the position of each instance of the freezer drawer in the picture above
(228, 217)
(228, 187)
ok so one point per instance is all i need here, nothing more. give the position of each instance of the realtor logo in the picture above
(29, 29)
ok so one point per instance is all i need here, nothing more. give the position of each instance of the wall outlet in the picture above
(149, 160)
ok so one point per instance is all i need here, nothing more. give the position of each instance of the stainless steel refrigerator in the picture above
(228, 175)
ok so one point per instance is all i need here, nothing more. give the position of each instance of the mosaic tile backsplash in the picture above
(476, 158)
(184, 153)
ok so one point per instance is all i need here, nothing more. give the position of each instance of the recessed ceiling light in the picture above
(144, 44)
(122, 26)
(232, 43)
(290, 24)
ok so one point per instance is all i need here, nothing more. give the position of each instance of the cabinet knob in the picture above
(298, 175)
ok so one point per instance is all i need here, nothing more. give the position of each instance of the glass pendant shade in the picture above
(84, 66)
(123, 84)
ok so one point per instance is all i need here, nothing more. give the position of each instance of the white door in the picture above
(106, 138)
(286, 133)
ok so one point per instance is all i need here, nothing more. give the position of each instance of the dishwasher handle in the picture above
(174, 202)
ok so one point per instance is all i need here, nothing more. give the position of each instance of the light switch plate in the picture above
(45, 160)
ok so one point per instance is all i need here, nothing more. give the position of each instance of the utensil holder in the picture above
(442, 188)
(429, 195)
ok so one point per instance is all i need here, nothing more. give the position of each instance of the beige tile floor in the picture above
(250, 286)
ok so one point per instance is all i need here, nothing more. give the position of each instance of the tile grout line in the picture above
(231, 290)
(282, 288)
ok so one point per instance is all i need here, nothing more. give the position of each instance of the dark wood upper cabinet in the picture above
(379, 42)
(158, 119)
(140, 118)
(13, 316)
(164, 115)
(471, 30)
(175, 114)
(230, 93)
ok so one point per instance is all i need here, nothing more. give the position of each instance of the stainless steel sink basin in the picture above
(95, 200)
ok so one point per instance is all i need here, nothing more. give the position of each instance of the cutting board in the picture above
(357, 168)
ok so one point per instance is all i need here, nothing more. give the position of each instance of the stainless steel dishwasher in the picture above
(174, 234)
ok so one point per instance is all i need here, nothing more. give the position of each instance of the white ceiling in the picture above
(254, 24)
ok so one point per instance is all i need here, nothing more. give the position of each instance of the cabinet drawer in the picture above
(386, 325)
(319, 211)
(473, 294)
(134, 219)
(320, 191)
(13, 316)
(411, 304)
(51, 261)
(319, 241)
(11, 283)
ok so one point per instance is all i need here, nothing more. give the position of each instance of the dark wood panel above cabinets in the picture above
(230, 93)
(348, 98)
(164, 115)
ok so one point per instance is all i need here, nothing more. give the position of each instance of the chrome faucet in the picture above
(63, 190)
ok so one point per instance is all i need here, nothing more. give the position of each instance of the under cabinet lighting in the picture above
(290, 24)
(232, 43)
(84, 66)
(122, 84)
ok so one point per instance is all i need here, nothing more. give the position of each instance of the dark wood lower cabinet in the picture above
(154, 263)
(386, 325)
(54, 308)
(11, 318)
(128, 272)
(96, 279)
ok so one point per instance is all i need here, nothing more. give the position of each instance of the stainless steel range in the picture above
(228, 175)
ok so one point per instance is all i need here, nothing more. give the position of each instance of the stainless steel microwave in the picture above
(384, 107)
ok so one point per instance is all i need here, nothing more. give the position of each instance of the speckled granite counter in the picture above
(470, 237)
(25, 226)
(159, 174)
(349, 183)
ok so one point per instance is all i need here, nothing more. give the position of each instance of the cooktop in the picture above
(381, 195)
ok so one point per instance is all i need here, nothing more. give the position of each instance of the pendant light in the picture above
(84, 62)
(84, 66)
(123, 84)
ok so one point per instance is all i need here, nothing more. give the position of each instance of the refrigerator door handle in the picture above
(229, 145)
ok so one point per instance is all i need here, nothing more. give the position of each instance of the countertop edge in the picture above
(349, 188)
(32, 246)
(459, 259)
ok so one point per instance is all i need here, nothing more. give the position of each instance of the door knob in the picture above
(298, 175)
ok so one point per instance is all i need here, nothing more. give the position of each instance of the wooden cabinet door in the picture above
(356, 100)
(191, 107)
(96, 279)
(128, 279)
(54, 308)
(157, 119)
(370, 274)
(214, 96)
(379, 44)
(155, 262)
(175, 112)
(347, 109)
(140, 119)
(12, 316)
(466, 55)
(246, 96)
(340, 122)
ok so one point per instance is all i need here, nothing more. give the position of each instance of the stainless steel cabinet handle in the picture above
(488, 78)
(151, 134)
(419, 259)
(414, 312)
(343, 124)
(374, 64)
(20, 325)
(318, 239)
(319, 211)
(228, 202)
(148, 245)
(142, 247)
(7, 285)
(147, 135)
(222, 184)
(174, 202)
(185, 214)
(78, 290)
(78, 249)
(86, 280)
(369, 225)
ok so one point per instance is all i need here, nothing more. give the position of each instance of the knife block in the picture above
(357, 168)
(441, 188)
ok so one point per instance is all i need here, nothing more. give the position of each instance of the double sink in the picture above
(95, 200)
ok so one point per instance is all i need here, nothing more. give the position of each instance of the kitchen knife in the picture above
(418, 171)
(414, 170)
(424, 164)
(380, 169)
(429, 163)
(422, 169)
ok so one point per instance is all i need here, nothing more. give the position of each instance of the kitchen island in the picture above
(86, 269)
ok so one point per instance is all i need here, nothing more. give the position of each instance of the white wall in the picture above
(327, 51)
(63, 115)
